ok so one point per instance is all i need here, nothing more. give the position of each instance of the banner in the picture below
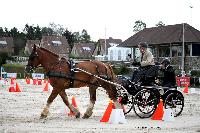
(37, 75)
(11, 75)
(182, 81)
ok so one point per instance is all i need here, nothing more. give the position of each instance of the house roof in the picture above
(30, 43)
(84, 49)
(164, 35)
(108, 41)
(56, 44)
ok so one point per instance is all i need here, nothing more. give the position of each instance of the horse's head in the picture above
(33, 61)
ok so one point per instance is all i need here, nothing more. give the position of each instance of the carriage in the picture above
(64, 74)
(144, 97)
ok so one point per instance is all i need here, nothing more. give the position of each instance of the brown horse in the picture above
(62, 76)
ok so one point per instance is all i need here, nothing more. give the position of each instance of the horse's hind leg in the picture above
(112, 93)
(92, 91)
(66, 101)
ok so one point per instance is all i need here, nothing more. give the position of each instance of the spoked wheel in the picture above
(127, 102)
(145, 103)
(175, 101)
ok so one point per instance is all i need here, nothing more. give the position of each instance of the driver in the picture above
(146, 62)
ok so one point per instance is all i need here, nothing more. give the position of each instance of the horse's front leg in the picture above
(92, 91)
(53, 95)
(66, 101)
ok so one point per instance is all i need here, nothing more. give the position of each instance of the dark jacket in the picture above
(169, 78)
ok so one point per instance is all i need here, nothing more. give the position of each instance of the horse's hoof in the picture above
(78, 115)
(43, 116)
(86, 116)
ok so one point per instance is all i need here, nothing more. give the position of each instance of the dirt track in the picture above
(20, 112)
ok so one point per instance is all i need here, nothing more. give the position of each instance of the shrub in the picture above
(195, 73)
(121, 70)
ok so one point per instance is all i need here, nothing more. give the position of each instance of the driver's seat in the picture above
(149, 77)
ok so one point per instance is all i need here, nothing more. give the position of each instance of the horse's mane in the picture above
(44, 49)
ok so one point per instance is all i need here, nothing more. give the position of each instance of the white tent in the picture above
(118, 53)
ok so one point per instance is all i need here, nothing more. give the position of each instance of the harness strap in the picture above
(72, 69)
(68, 76)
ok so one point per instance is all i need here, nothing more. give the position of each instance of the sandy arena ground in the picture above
(20, 113)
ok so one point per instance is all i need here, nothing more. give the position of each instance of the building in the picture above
(83, 50)
(7, 45)
(118, 53)
(104, 44)
(56, 44)
(169, 41)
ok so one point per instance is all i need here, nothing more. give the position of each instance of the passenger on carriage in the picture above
(169, 77)
(145, 63)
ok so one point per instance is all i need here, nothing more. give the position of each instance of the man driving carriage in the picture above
(146, 62)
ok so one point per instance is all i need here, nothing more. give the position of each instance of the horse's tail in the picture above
(113, 77)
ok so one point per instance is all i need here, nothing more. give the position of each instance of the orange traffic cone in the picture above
(27, 81)
(39, 82)
(17, 88)
(46, 87)
(186, 89)
(158, 114)
(11, 88)
(107, 113)
(73, 104)
(34, 81)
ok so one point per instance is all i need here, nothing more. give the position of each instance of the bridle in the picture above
(31, 58)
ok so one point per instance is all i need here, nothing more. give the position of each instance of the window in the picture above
(3, 43)
(174, 51)
(86, 48)
(164, 51)
(195, 49)
(111, 55)
(119, 55)
(179, 49)
(56, 43)
(187, 49)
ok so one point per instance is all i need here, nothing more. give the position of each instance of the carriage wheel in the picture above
(145, 103)
(129, 104)
(175, 101)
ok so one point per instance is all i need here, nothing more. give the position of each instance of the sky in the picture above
(101, 18)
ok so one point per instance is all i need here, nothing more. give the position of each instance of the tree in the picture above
(1, 31)
(139, 25)
(29, 31)
(70, 37)
(14, 32)
(38, 33)
(77, 37)
(160, 23)
(57, 29)
(32, 32)
(3, 57)
(85, 37)
(46, 31)
(6, 32)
